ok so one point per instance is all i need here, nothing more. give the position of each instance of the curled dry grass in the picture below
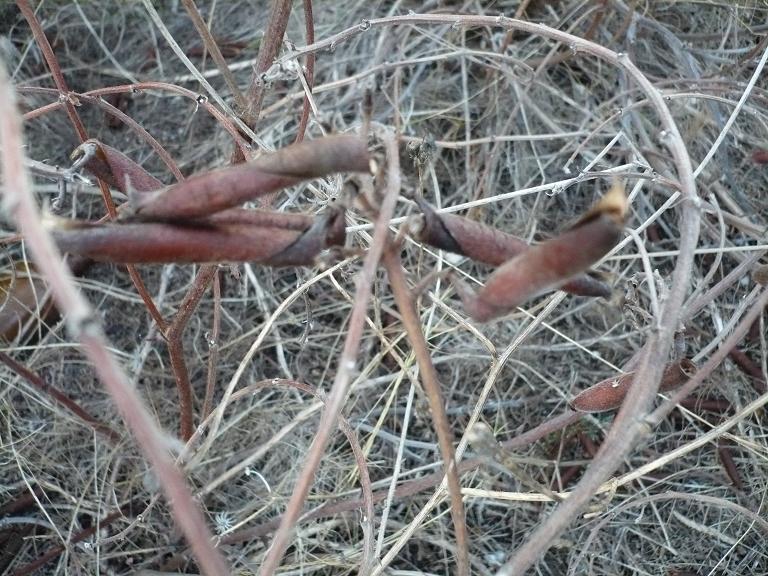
(511, 130)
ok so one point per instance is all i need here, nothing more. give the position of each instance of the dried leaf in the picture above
(609, 394)
(230, 236)
(551, 264)
(229, 187)
(114, 167)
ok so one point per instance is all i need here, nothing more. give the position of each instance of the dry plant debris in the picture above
(293, 223)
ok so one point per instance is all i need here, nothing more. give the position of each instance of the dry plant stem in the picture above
(628, 424)
(714, 361)
(309, 24)
(213, 345)
(80, 322)
(431, 384)
(235, 118)
(176, 346)
(213, 49)
(268, 50)
(346, 365)
(138, 283)
(411, 487)
(347, 430)
(37, 382)
(61, 85)
(93, 96)
(57, 550)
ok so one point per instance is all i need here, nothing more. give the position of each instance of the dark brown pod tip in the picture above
(114, 167)
(554, 263)
(610, 393)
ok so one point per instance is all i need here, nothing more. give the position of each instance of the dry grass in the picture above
(511, 128)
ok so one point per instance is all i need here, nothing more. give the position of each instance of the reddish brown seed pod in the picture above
(609, 394)
(226, 237)
(114, 167)
(229, 187)
(486, 244)
(551, 264)
(760, 156)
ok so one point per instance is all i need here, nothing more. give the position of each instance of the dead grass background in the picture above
(501, 121)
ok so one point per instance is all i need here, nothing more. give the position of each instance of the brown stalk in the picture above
(228, 237)
(610, 393)
(725, 455)
(410, 487)
(114, 167)
(309, 25)
(268, 50)
(215, 191)
(213, 347)
(98, 96)
(213, 49)
(432, 388)
(63, 89)
(550, 264)
(58, 549)
(82, 325)
(750, 368)
(485, 244)
(346, 365)
(37, 382)
(176, 347)
(61, 84)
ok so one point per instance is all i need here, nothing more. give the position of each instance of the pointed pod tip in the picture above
(614, 203)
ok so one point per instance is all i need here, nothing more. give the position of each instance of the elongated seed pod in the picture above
(229, 187)
(551, 264)
(610, 393)
(262, 218)
(114, 167)
(486, 244)
(201, 241)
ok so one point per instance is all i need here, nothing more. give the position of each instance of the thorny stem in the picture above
(347, 362)
(431, 384)
(81, 324)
